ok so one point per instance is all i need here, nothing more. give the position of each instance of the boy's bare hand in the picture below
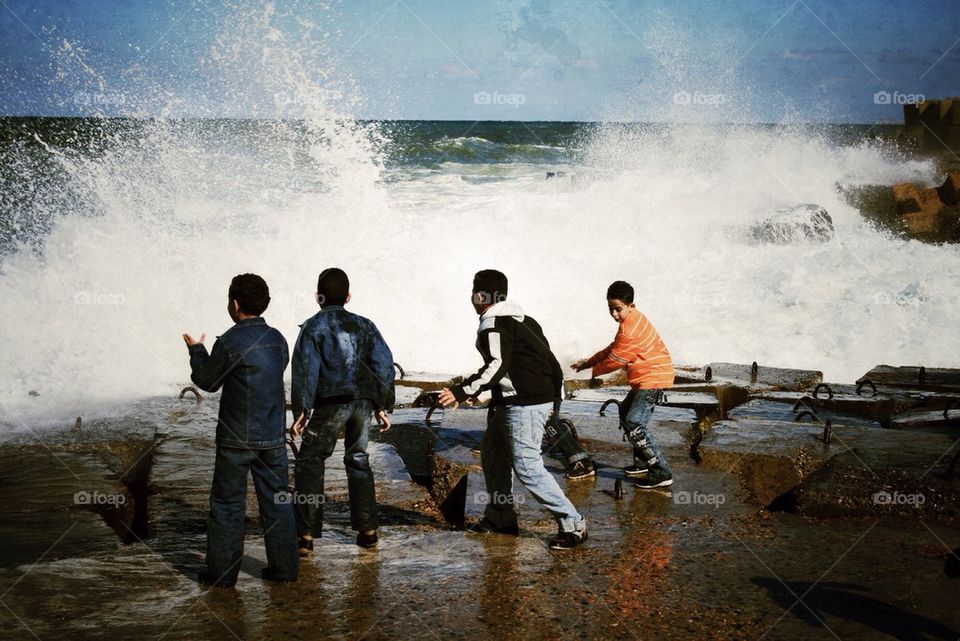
(447, 399)
(190, 341)
(297, 428)
(381, 417)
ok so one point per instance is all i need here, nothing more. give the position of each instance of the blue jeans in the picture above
(635, 413)
(319, 441)
(228, 502)
(511, 445)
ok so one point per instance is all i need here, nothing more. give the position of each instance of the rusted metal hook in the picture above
(863, 382)
(607, 403)
(194, 390)
(820, 386)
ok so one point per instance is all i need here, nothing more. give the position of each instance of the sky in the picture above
(630, 60)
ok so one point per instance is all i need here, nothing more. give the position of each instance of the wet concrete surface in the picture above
(701, 560)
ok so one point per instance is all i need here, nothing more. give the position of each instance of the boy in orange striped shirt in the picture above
(638, 348)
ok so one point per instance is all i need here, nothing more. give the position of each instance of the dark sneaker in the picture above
(582, 469)
(205, 578)
(486, 526)
(569, 540)
(635, 471)
(656, 477)
(304, 546)
(367, 541)
(269, 574)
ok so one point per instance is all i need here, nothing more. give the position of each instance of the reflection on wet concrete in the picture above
(656, 566)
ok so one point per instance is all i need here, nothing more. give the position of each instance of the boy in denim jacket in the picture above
(247, 361)
(342, 375)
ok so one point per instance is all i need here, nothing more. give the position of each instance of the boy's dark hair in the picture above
(491, 284)
(333, 286)
(251, 293)
(621, 290)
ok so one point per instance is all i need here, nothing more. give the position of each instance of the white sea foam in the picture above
(153, 229)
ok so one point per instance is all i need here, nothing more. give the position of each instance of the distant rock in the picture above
(802, 223)
(930, 214)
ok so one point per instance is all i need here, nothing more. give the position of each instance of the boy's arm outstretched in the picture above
(588, 363)
(496, 348)
(208, 371)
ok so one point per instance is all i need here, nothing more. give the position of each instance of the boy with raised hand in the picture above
(638, 348)
(247, 361)
(342, 375)
(525, 381)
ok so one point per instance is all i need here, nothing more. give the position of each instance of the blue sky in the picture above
(674, 60)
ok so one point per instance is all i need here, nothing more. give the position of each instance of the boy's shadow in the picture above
(848, 601)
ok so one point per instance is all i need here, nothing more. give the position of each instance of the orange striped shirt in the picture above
(639, 348)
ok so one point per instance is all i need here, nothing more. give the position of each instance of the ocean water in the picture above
(120, 234)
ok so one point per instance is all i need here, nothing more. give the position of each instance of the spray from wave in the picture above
(117, 247)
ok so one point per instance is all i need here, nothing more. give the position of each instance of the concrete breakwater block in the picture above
(807, 410)
(883, 473)
(769, 458)
(932, 213)
(74, 494)
(753, 377)
(452, 460)
(426, 381)
(926, 418)
(837, 405)
(860, 470)
(931, 379)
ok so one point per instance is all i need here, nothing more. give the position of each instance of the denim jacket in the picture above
(340, 354)
(248, 362)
